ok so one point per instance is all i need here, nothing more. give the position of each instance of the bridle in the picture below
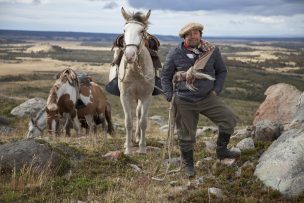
(125, 45)
(35, 122)
(144, 36)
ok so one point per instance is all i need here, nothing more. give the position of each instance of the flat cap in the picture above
(190, 26)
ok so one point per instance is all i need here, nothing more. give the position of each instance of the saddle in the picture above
(151, 42)
(112, 87)
(84, 79)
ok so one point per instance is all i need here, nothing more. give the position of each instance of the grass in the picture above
(94, 178)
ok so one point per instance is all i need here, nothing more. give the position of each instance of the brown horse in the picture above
(62, 99)
(97, 110)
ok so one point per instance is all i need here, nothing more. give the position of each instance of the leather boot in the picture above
(188, 162)
(221, 150)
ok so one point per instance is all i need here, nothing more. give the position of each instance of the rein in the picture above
(170, 142)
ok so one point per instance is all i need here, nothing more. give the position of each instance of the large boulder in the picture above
(35, 154)
(30, 107)
(282, 165)
(279, 105)
(266, 130)
(298, 120)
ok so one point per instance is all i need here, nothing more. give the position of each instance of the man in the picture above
(203, 98)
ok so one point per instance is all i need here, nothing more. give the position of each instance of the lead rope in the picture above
(170, 142)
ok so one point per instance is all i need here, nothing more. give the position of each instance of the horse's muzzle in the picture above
(131, 54)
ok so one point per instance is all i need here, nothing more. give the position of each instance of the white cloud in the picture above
(91, 16)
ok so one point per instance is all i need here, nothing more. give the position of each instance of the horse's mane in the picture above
(139, 17)
(52, 98)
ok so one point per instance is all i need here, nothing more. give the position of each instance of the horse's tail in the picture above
(108, 116)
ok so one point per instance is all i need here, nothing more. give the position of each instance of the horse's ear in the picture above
(58, 75)
(125, 14)
(148, 15)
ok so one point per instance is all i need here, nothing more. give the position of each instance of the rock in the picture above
(266, 130)
(242, 133)
(208, 158)
(29, 108)
(238, 173)
(6, 130)
(210, 146)
(282, 165)
(206, 129)
(174, 161)
(113, 155)
(37, 154)
(164, 128)
(157, 120)
(4, 121)
(279, 105)
(135, 168)
(216, 191)
(174, 183)
(227, 162)
(298, 118)
(199, 181)
(153, 149)
(246, 144)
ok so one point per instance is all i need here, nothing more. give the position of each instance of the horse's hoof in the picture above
(128, 151)
(142, 151)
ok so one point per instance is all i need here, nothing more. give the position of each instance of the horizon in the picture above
(175, 36)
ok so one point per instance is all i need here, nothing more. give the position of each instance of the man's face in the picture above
(193, 38)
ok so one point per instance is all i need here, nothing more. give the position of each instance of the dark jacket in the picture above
(177, 60)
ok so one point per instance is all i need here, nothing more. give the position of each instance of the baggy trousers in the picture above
(187, 115)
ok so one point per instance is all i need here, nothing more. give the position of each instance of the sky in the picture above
(247, 18)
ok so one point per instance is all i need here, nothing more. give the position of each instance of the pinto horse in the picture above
(37, 124)
(97, 109)
(136, 77)
(61, 101)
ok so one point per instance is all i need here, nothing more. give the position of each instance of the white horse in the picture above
(37, 124)
(136, 77)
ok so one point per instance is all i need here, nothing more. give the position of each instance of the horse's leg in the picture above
(102, 121)
(90, 121)
(67, 123)
(138, 115)
(108, 116)
(76, 123)
(126, 105)
(143, 124)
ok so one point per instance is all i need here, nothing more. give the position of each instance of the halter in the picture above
(142, 38)
(36, 126)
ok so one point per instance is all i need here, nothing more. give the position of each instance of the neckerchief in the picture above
(204, 46)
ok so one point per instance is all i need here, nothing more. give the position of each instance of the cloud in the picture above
(110, 5)
(24, 1)
(261, 7)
